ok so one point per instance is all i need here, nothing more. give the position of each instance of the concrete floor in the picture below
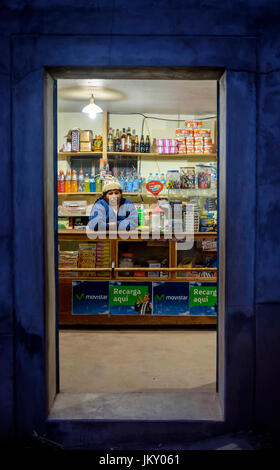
(136, 360)
(137, 374)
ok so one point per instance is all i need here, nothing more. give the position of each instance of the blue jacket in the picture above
(102, 213)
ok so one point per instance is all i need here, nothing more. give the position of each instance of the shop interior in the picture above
(146, 130)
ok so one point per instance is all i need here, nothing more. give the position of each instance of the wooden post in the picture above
(105, 135)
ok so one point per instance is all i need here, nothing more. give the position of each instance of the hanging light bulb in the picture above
(92, 109)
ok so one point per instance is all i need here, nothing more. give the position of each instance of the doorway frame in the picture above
(239, 315)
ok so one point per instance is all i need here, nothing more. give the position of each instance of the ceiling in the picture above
(192, 97)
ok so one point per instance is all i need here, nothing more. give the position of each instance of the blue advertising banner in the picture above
(171, 298)
(203, 298)
(130, 298)
(90, 297)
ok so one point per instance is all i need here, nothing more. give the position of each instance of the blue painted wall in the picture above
(243, 37)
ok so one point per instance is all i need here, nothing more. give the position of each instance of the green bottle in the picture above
(98, 184)
(87, 183)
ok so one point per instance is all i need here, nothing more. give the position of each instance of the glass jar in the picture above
(173, 179)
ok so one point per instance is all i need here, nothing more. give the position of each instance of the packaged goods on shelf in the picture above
(168, 149)
(190, 148)
(199, 141)
(87, 255)
(173, 179)
(66, 147)
(210, 204)
(182, 149)
(75, 145)
(202, 132)
(193, 124)
(74, 208)
(208, 221)
(166, 142)
(98, 143)
(68, 259)
(86, 136)
(210, 245)
(187, 177)
(203, 173)
(198, 148)
(153, 264)
(63, 223)
(85, 146)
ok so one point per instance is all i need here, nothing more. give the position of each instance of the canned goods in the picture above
(202, 132)
(181, 140)
(207, 140)
(198, 149)
(209, 149)
(180, 132)
(193, 124)
(198, 141)
(190, 141)
(190, 148)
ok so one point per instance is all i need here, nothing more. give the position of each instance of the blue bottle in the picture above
(92, 184)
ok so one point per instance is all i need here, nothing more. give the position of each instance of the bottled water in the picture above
(122, 181)
(81, 187)
(135, 184)
(129, 185)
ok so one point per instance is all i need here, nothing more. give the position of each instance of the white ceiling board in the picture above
(191, 97)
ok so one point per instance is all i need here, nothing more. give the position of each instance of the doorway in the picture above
(185, 396)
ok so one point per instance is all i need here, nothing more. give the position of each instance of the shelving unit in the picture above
(114, 272)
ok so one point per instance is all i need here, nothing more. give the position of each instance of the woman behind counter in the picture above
(112, 211)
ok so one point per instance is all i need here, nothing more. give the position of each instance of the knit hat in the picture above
(111, 183)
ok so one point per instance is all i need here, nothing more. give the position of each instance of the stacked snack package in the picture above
(103, 257)
(166, 146)
(87, 257)
(193, 139)
(86, 139)
(208, 221)
(68, 259)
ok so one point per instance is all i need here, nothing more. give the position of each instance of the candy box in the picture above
(75, 142)
(86, 136)
(85, 146)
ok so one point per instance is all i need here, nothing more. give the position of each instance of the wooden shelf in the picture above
(192, 156)
(68, 233)
(172, 193)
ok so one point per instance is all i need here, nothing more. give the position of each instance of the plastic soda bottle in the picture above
(68, 182)
(74, 182)
(92, 184)
(81, 182)
(98, 184)
(87, 183)
(62, 181)
(122, 181)
(135, 185)
(58, 183)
